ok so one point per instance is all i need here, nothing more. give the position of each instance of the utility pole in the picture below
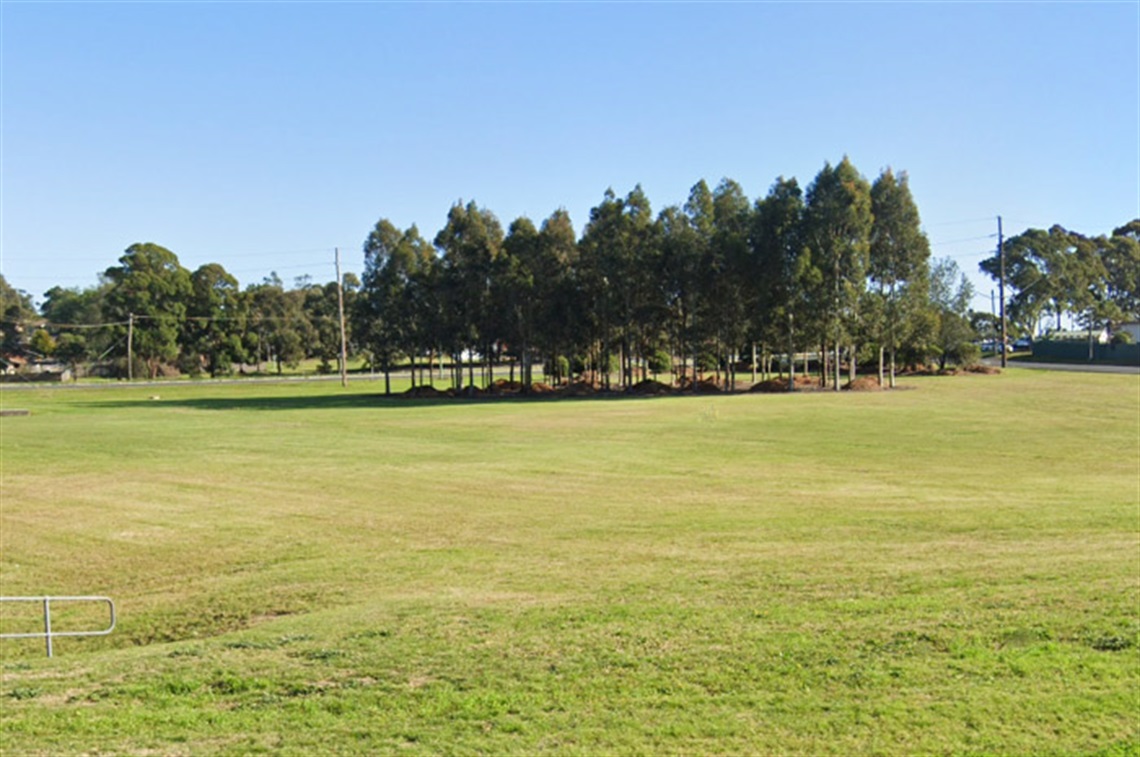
(340, 308)
(1001, 290)
(130, 346)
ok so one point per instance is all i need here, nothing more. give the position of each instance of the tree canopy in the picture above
(840, 270)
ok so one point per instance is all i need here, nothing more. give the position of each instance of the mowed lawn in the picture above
(951, 568)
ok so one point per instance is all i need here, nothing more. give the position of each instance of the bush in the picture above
(660, 361)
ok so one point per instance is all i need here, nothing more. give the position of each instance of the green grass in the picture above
(949, 569)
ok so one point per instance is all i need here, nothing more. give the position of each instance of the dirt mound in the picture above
(985, 370)
(864, 384)
(704, 386)
(502, 386)
(772, 386)
(540, 388)
(650, 388)
(580, 389)
(423, 392)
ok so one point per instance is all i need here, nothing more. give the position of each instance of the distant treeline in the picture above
(841, 268)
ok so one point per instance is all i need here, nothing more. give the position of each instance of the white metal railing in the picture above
(48, 634)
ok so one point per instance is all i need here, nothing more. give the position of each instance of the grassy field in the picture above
(953, 568)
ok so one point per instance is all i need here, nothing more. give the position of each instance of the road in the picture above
(1078, 367)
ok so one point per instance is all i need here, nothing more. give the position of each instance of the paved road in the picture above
(1079, 367)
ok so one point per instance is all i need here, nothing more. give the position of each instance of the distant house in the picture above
(1099, 336)
(12, 364)
(1132, 327)
(15, 369)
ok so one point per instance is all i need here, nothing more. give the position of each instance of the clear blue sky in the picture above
(263, 135)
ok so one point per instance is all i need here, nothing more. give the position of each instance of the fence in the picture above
(48, 634)
(1078, 352)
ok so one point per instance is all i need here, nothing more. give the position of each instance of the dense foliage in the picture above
(840, 269)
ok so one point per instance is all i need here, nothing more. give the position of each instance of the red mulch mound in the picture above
(580, 389)
(704, 386)
(502, 386)
(864, 384)
(773, 386)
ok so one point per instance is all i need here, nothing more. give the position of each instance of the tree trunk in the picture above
(824, 365)
(882, 350)
(836, 366)
(791, 358)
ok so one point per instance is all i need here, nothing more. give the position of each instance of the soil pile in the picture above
(864, 384)
(704, 386)
(772, 386)
(580, 389)
(423, 392)
(502, 386)
(650, 388)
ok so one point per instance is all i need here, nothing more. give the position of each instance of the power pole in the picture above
(1001, 290)
(130, 346)
(340, 308)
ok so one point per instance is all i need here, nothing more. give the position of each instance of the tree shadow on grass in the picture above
(364, 401)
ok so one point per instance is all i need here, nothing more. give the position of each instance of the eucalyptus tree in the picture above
(470, 243)
(616, 243)
(556, 289)
(680, 252)
(1086, 284)
(640, 305)
(215, 321)
(76, 316)
(729, 263)
(375, 316)
(322, 306)
(784, 278)
(148, 296)
(1033, 265)
(950, 295)
(1121, 257)
(700, 212)
(278, 328)
(515, 294)
(392, 312)
(899, 260)
(837, 224)
(16, 310)
(421, 316)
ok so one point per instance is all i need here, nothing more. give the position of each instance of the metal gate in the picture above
(48, 634)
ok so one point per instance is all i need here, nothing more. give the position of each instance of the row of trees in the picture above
(197, 321)
(1054, 273)
(840, 269)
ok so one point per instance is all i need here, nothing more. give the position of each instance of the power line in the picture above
(986, 219)
(964, 239)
